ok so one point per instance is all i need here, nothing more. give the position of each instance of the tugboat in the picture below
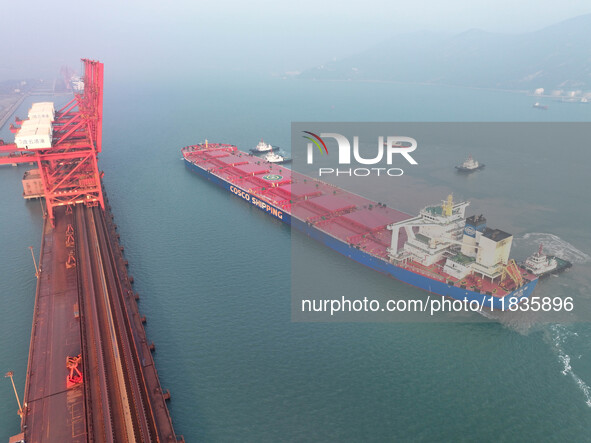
(469, 165)
(262, 147)
(538, 105)
(276, 158)
(544, 265)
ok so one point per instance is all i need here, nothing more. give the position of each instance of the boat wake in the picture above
(559, 335)
(554, 245)
(562, 338)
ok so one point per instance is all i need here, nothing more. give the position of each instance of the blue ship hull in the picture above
(420, 281)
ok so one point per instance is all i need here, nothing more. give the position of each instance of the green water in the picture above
(214, 277)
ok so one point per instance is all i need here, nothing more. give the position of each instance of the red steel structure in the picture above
(67, 73)
(69, 169)
(74, 377)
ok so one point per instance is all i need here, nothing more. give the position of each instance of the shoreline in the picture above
(445, 85)
(12, 109)
(527, 92)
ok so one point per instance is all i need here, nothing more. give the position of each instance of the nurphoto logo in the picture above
(385, 151)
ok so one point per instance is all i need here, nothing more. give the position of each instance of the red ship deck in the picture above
(351, 218)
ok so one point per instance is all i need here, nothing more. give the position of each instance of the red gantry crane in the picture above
(68, 169)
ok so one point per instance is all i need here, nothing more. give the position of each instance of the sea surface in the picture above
(214, 274)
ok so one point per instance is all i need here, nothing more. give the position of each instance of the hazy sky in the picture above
(165, 38)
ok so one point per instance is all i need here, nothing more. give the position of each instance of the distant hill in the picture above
(556, 57)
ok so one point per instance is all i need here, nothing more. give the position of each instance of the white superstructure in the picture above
(37, 131)
(274, 158)
(263, 147)
(431, 234)
(539, 263)
(77, 84)
(42, 110)
(441, 235)
(469, 164)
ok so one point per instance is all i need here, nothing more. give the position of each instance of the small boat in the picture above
(469, 165)
(262, 147)
(276, 158)
(538, 105)
(543, 265)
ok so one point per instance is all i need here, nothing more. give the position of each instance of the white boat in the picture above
(262, 147)
(539, 263)
(469, 165)
(273, 157)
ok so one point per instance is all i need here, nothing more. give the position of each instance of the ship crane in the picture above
(457, 242)
(67, 158)
(512, 270)
(451, 214)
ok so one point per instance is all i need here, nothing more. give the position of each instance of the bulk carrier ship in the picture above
(440, 250)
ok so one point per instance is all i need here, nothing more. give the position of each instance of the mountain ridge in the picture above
(555, 57)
